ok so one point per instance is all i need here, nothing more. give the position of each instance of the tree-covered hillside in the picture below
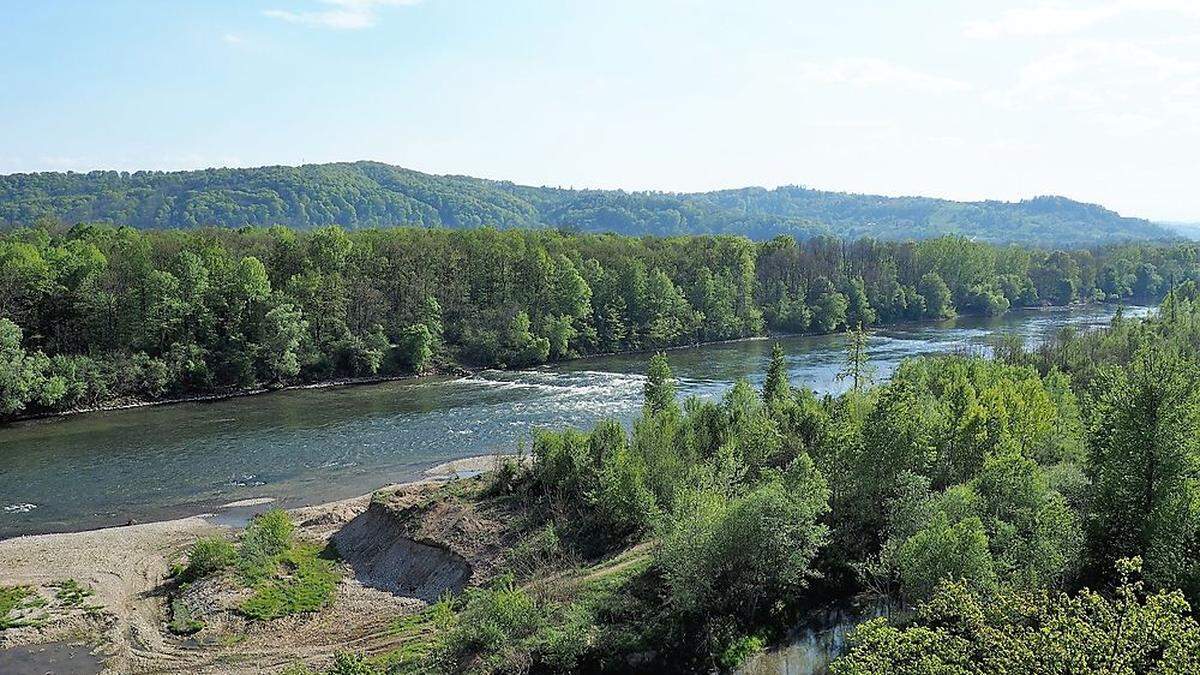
(370, 194)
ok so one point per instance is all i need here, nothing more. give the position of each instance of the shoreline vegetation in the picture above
(96, 316)
(463, 371)
(996, 501)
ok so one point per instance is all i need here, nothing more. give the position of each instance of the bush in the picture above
(734, 558)
(942, 551)
(539, 551)
(739, 650)
(265, 539)
(346, 663)
(206, 556)
(962, 629)
(506, 476)
(495, 630)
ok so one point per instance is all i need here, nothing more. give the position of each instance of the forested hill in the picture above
(370, 194)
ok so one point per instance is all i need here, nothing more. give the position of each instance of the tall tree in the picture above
(1145, 466)
(775, 386)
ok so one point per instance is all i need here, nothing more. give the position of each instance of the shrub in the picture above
(206, 556)
(739, 650)
(944, 551)
(733, 558)
(506, 476)
(963, 629)
(495, 629)
(265, 539)
(539, 551)
(346, 663)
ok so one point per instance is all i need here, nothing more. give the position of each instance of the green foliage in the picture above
(1145, 470)
(369, 194)
(963, 484)
(266, 538)
(499, 625)
(206, 556)
(660, 387)
(415, 348)
(723, 557)
(520, 347)
(857, 368)
(182, 621)
(739, 650)
(97, 313)
(306, 584)
(964, 630)
(943, 551)
(15, 601)
(71, 593)
(348, 663)
(828, 306)
(543, 550)
(776, 387)
(938, 300)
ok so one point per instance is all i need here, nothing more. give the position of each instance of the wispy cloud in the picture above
(232, 39)
(1065, 19)
(338, 14)
(1128, 88)
(874, 72)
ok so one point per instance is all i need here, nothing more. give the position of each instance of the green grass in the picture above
(15, 599)
(419, 633)
(302, 582)
(71, 593)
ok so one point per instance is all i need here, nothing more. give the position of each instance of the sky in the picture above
(965, 99)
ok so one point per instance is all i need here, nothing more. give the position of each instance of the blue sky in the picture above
(1096, 100)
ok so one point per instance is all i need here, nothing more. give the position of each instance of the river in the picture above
(314, 445)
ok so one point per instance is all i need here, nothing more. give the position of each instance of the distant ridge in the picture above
(371, 194)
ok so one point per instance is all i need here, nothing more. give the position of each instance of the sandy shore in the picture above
(125, 566)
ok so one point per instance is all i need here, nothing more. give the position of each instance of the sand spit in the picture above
(388, 574)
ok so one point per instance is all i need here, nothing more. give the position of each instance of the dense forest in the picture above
(97, 314)
(1035, 513)
(368, 194)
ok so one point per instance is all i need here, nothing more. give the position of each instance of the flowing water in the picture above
(314, 445)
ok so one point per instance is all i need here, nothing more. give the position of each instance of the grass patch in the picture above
(71, 593)
(419, 634)
(17, 599)
(302, 581)
(286, 576)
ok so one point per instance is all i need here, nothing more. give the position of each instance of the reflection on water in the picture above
(312, 445)
(812, 647)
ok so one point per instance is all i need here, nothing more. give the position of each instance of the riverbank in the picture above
(124, 568)
(459, 370)
(225, 396)
(318, 445)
